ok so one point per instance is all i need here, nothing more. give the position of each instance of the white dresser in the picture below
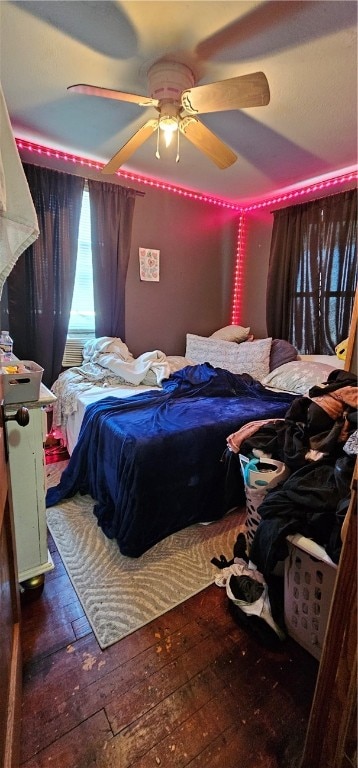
(28, 487)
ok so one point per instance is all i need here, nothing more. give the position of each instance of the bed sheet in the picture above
(93, 395)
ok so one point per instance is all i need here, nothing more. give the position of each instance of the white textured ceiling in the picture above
(308, 51)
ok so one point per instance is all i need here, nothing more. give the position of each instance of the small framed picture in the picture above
(149, 264)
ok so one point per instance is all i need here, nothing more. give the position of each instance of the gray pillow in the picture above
(281, 352)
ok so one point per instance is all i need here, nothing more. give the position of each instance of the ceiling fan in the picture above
(178, 102)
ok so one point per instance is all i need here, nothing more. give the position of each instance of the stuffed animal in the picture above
(341, 349)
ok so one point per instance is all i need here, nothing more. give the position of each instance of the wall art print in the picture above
(149, 264)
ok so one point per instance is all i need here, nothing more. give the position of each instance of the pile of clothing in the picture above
(252, 602)
(317, 440)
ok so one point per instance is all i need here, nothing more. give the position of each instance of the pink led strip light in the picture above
(304, 190)
(240, 249)
(239, 270)
(75, 159)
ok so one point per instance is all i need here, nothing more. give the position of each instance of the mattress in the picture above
(93, 395)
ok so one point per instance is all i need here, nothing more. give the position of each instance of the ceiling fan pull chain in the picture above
(178, 156)
(157, 154)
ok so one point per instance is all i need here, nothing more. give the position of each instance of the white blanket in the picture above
(114, 356)
(94, 347)
(107, 363)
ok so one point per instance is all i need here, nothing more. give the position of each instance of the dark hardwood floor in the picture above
(190, 689)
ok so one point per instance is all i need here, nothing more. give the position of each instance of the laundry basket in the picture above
(260, 475)
(254, 497)
(309, 580)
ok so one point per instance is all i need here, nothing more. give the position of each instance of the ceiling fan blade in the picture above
(110, 93)
(131, 146)
(207, 142)
(235, 93)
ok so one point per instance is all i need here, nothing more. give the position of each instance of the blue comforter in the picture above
(152, 461)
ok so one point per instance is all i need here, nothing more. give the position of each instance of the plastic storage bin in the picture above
(21, 387)
(309, 577)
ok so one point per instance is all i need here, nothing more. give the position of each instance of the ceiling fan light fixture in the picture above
(168, 125)
(178, 101)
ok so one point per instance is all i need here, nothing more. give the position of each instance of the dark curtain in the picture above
(112, 209)
(313, 273)
(40, 286)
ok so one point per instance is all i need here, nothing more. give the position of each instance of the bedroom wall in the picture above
(257, 252)
(197, 243)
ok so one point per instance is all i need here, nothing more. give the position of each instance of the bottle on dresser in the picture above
(6, 344)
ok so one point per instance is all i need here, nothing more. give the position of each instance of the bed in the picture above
(152, 461)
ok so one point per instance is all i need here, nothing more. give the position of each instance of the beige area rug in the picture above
(121, 594)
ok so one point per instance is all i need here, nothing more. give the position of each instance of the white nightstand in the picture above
(28, 488)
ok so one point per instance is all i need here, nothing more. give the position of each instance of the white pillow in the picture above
(298, 376)
(251, 357)
(231, 333)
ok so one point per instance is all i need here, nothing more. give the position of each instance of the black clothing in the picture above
(309, 503)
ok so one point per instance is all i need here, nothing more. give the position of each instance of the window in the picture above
(82, 317)
(322, 298)
(313, 273)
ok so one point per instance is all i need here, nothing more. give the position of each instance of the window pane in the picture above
(82, 310)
